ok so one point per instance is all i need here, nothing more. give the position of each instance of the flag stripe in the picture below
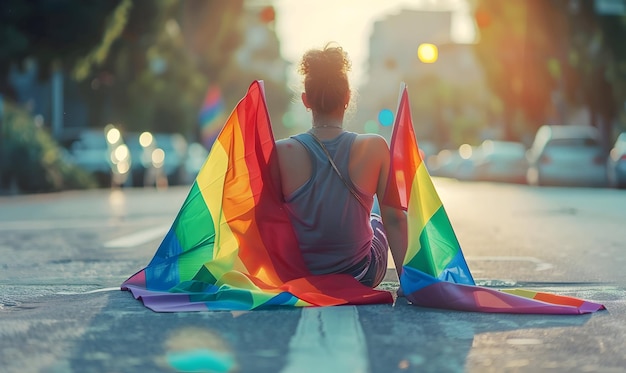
(425, 205)
(438, 245)
(424, 191)
(195, 231)
(210, 116)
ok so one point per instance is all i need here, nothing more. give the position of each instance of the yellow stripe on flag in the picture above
(423, 203)
(211, 182)
(521, 292)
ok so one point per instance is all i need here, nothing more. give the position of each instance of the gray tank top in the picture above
(332, 227)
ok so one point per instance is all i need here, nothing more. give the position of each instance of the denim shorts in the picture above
(377, 264)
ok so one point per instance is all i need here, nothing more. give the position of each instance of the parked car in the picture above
(455, 163)
(427, 149)
(616, 163)
(103, 153)
(567, 155)
(174, 146)
(196, 157)
(502, 161)
(158, 154)
(141, 146)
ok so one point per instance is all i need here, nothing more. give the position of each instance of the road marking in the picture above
(539, 264)
(332, 332)
(36, 225)
(54, 224)
(138, 238)
(87, 292)
(524, 341)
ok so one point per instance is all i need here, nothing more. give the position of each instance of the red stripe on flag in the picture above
(405, 158)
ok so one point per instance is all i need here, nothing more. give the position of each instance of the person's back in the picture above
(331, 216)
(332, 225)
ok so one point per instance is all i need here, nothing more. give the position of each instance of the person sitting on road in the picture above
(330, 178)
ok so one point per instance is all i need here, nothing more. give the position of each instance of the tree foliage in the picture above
(158, 70)
(50, 31)
(536, 52)
(519, 41)
(598, 55)
(32, 159)
(142, 64)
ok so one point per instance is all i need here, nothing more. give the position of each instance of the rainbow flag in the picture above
(232, 246)
(211, 116)
(434, 272)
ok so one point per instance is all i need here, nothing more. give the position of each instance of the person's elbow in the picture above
(393, 217)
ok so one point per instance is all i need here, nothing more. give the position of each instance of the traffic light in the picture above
(483, 19)
(427, 53)
(268, 14)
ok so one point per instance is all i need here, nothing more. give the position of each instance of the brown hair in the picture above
(326, 78)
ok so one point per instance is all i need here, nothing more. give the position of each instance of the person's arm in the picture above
(394, 219)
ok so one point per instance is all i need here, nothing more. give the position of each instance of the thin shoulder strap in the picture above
(332, 163)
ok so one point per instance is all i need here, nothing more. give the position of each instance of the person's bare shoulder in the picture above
(289, 150)
(287, 145)
(373, 142)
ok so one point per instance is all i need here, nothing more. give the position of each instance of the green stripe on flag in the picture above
(438, 245)
(195, 231)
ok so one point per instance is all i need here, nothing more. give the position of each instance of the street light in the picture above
(427, 53)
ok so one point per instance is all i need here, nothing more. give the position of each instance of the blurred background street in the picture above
(130, 93)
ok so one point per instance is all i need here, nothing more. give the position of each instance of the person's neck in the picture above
(327, 123)
(327, 132)
(327, 126)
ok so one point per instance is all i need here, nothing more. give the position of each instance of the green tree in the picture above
(36, 162)
(158, 70)
(56, 34)
(519, 42)
(598, 56)
(143, 64)
(52, 32)
(533, 49)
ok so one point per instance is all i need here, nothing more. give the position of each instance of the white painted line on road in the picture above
(539, 264)
(53, 224)
(35, 225)
(138, 238)
(87, 292)
(333, 333)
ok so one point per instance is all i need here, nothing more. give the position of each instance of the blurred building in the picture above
(258, 57)
(260, 50)
(393, 59)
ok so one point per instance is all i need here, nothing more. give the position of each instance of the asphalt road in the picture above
(63, 257)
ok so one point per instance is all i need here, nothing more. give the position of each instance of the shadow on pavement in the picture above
(116, 333)
(124, 336)
(408, 338)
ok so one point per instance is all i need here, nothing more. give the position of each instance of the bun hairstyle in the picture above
(326, 78)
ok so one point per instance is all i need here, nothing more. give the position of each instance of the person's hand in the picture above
(400, 292)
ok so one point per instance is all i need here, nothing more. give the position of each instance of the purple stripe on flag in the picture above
(479, 299)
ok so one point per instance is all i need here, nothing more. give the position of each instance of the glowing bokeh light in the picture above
(289, 120)
(371, 126)
(123, 167)
(113, 135)
(427, 53)
(121, 153)
(158, 157)
(145, 139)
(385, 117)
(465, 151)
